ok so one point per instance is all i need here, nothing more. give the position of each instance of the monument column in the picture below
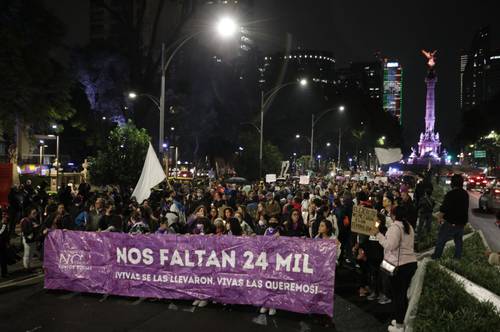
(430, 102)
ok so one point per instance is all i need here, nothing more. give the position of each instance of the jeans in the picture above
(400, 283)
(447, 232)
(424, 221)
(29, 250)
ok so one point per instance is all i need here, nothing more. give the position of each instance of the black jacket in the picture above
(455, 207)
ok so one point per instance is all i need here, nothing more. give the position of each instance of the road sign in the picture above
(480, 154)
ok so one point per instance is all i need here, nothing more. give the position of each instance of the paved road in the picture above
(484, 222)
(31, 308)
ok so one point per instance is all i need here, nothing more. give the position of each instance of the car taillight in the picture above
(497, 191)
(472, 180)
(485, 181)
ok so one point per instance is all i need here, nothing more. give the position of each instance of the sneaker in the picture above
(196, 302)
(263, 310)
(397, 328)
(272, 312)
(372, 296)
(202, 304)
(393, 322)
(384, 300)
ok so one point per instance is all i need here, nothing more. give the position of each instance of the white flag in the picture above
(152, 174)
(388, 156)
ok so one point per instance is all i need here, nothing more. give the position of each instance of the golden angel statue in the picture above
(430, 57)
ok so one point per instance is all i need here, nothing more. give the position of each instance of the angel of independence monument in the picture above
(429, 146)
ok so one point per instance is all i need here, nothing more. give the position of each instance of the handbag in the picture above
(389, 268)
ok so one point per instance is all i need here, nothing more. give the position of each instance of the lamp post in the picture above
(225, 27)
(265, 99)
(314, 121)
(54, 127)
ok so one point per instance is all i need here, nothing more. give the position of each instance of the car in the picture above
(477, 181)
(185, 175)
(490, 199)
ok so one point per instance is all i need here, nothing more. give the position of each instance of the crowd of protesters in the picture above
(321, 210)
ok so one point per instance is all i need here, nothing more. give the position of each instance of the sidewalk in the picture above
(17, 272)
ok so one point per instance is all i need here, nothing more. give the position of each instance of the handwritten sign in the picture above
(363, 220)
(304, 179)
(270, 178)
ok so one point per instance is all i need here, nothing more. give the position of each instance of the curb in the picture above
(415, 292)
(476, 291)
(21, 281)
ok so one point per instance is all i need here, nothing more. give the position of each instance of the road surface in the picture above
(28, 307)
(484, 221)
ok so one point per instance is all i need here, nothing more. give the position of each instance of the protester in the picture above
(272, 230)
(137, 225)
(425, 209)
(294, 226)
(4, 243)
(398, 251)
(29, 229)
(453, 216)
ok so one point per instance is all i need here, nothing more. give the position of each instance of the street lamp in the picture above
(328, 144)
(134, 95)
(297, 136)
(226, 27)
(314, 121)
(265, 99)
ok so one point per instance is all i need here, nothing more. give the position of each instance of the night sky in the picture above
(355, 30)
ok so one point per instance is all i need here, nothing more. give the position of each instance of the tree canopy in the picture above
(121, 159)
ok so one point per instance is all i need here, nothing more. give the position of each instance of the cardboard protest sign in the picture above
(270, 178)
(363, 220)
(304, 179)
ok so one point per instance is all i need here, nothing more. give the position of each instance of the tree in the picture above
(121, 160)
(247, 164)
(34, 89)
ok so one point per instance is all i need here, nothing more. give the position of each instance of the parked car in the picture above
(490, 199)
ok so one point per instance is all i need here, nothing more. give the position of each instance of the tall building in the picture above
(368, 76)
(316, 66)
(463, 64)
(393, 88)
(474, 89)
(493, 75)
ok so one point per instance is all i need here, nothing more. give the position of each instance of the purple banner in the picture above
(283, 273)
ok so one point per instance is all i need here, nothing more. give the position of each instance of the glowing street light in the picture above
(328, 144)
(297, 136)
(341, 108)
(132, 95)
(226, 27)
(303, 82)
(172, 128)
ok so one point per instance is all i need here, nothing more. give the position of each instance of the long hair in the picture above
(329, 227)
(300, 222)
(400, 214)
(235, 227)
